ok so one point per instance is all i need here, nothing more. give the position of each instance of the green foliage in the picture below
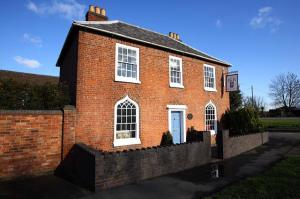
(281, 181)
(17, 95)
(193, 135)
(167, 139)
(242, 121)
(235, 99)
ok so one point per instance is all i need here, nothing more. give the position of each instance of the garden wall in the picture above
(232, 146)
(96, 170)
(34, 142)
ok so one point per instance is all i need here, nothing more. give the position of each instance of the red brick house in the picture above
(130, 84)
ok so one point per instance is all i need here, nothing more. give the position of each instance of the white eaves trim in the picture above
(97, 22)
(77, 23)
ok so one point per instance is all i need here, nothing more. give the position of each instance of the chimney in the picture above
(174, 36)
(96, 13)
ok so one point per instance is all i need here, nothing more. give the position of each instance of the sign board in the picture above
(232, 82)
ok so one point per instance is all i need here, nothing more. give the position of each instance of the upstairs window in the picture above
(209, 78)
(127, 64)
(175, 67)
(126, 122)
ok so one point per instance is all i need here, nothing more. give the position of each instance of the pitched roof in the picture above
(28, 77)
(146, 36)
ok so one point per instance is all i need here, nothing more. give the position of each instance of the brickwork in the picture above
(232, 146)
(31, 141)
(108, 170)
(97, 91)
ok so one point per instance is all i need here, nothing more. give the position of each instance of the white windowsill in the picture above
(127, 80)
(128, 141)
(210, 89)
(172, 85)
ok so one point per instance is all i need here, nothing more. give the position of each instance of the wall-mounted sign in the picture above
(232, 82)
(189, 116)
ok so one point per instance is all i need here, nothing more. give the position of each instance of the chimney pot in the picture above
(103, 12)
(97, 10)
(92, 8)
(96, 13)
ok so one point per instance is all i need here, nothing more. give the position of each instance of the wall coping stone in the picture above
(31, 112)
(69, 107)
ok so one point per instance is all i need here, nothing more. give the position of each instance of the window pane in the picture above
(124, 51)
(134, 68)
(134, 74)
(120, 50)
(118, 127)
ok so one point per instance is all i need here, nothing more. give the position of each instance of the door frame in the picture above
(178, 108)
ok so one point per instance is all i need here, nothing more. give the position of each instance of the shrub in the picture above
(167, 139)
(242, 121)
(193, 135)
(18, 95)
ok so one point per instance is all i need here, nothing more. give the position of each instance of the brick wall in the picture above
(97, 92)
(31, 141)
(96, 170)
(232, 146)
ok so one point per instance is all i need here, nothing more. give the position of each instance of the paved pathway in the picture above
(192, 183)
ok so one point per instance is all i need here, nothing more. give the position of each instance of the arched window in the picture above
(210, 118)
(126, 122)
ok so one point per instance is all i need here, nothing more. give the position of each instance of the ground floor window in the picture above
(126, 122)
(210, 118)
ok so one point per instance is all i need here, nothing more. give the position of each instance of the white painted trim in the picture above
(176, 85)
(171, 106)
(214, 70)
(97, 22)
(216, 117)
(124, 142)
(143, 41)
(127, 79)
(129, 141)
(180, 108)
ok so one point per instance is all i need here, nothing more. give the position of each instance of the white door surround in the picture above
(182, 109)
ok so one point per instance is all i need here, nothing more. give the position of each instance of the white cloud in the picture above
(32, 39)
(264, 18)
(219, 23)
(31, 63)
(69, 9)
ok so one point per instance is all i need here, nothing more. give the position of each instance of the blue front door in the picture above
(176, 126)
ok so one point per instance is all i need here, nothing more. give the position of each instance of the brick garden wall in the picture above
(96, 170)
(232, 146)
(31, 141)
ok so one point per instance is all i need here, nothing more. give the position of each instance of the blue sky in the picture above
(260, 38)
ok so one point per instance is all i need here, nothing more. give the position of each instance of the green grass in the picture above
(281, 181)
(282, 123)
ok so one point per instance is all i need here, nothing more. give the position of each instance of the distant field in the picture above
(281, 123)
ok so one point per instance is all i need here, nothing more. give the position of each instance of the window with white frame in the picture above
(126, 122)
(175, 67)
(127, 64)
(210, 117)
(209, 78)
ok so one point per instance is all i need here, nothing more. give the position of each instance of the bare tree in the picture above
(257, 103)
(285, 90)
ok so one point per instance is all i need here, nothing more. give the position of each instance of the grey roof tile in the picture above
(145, 35)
